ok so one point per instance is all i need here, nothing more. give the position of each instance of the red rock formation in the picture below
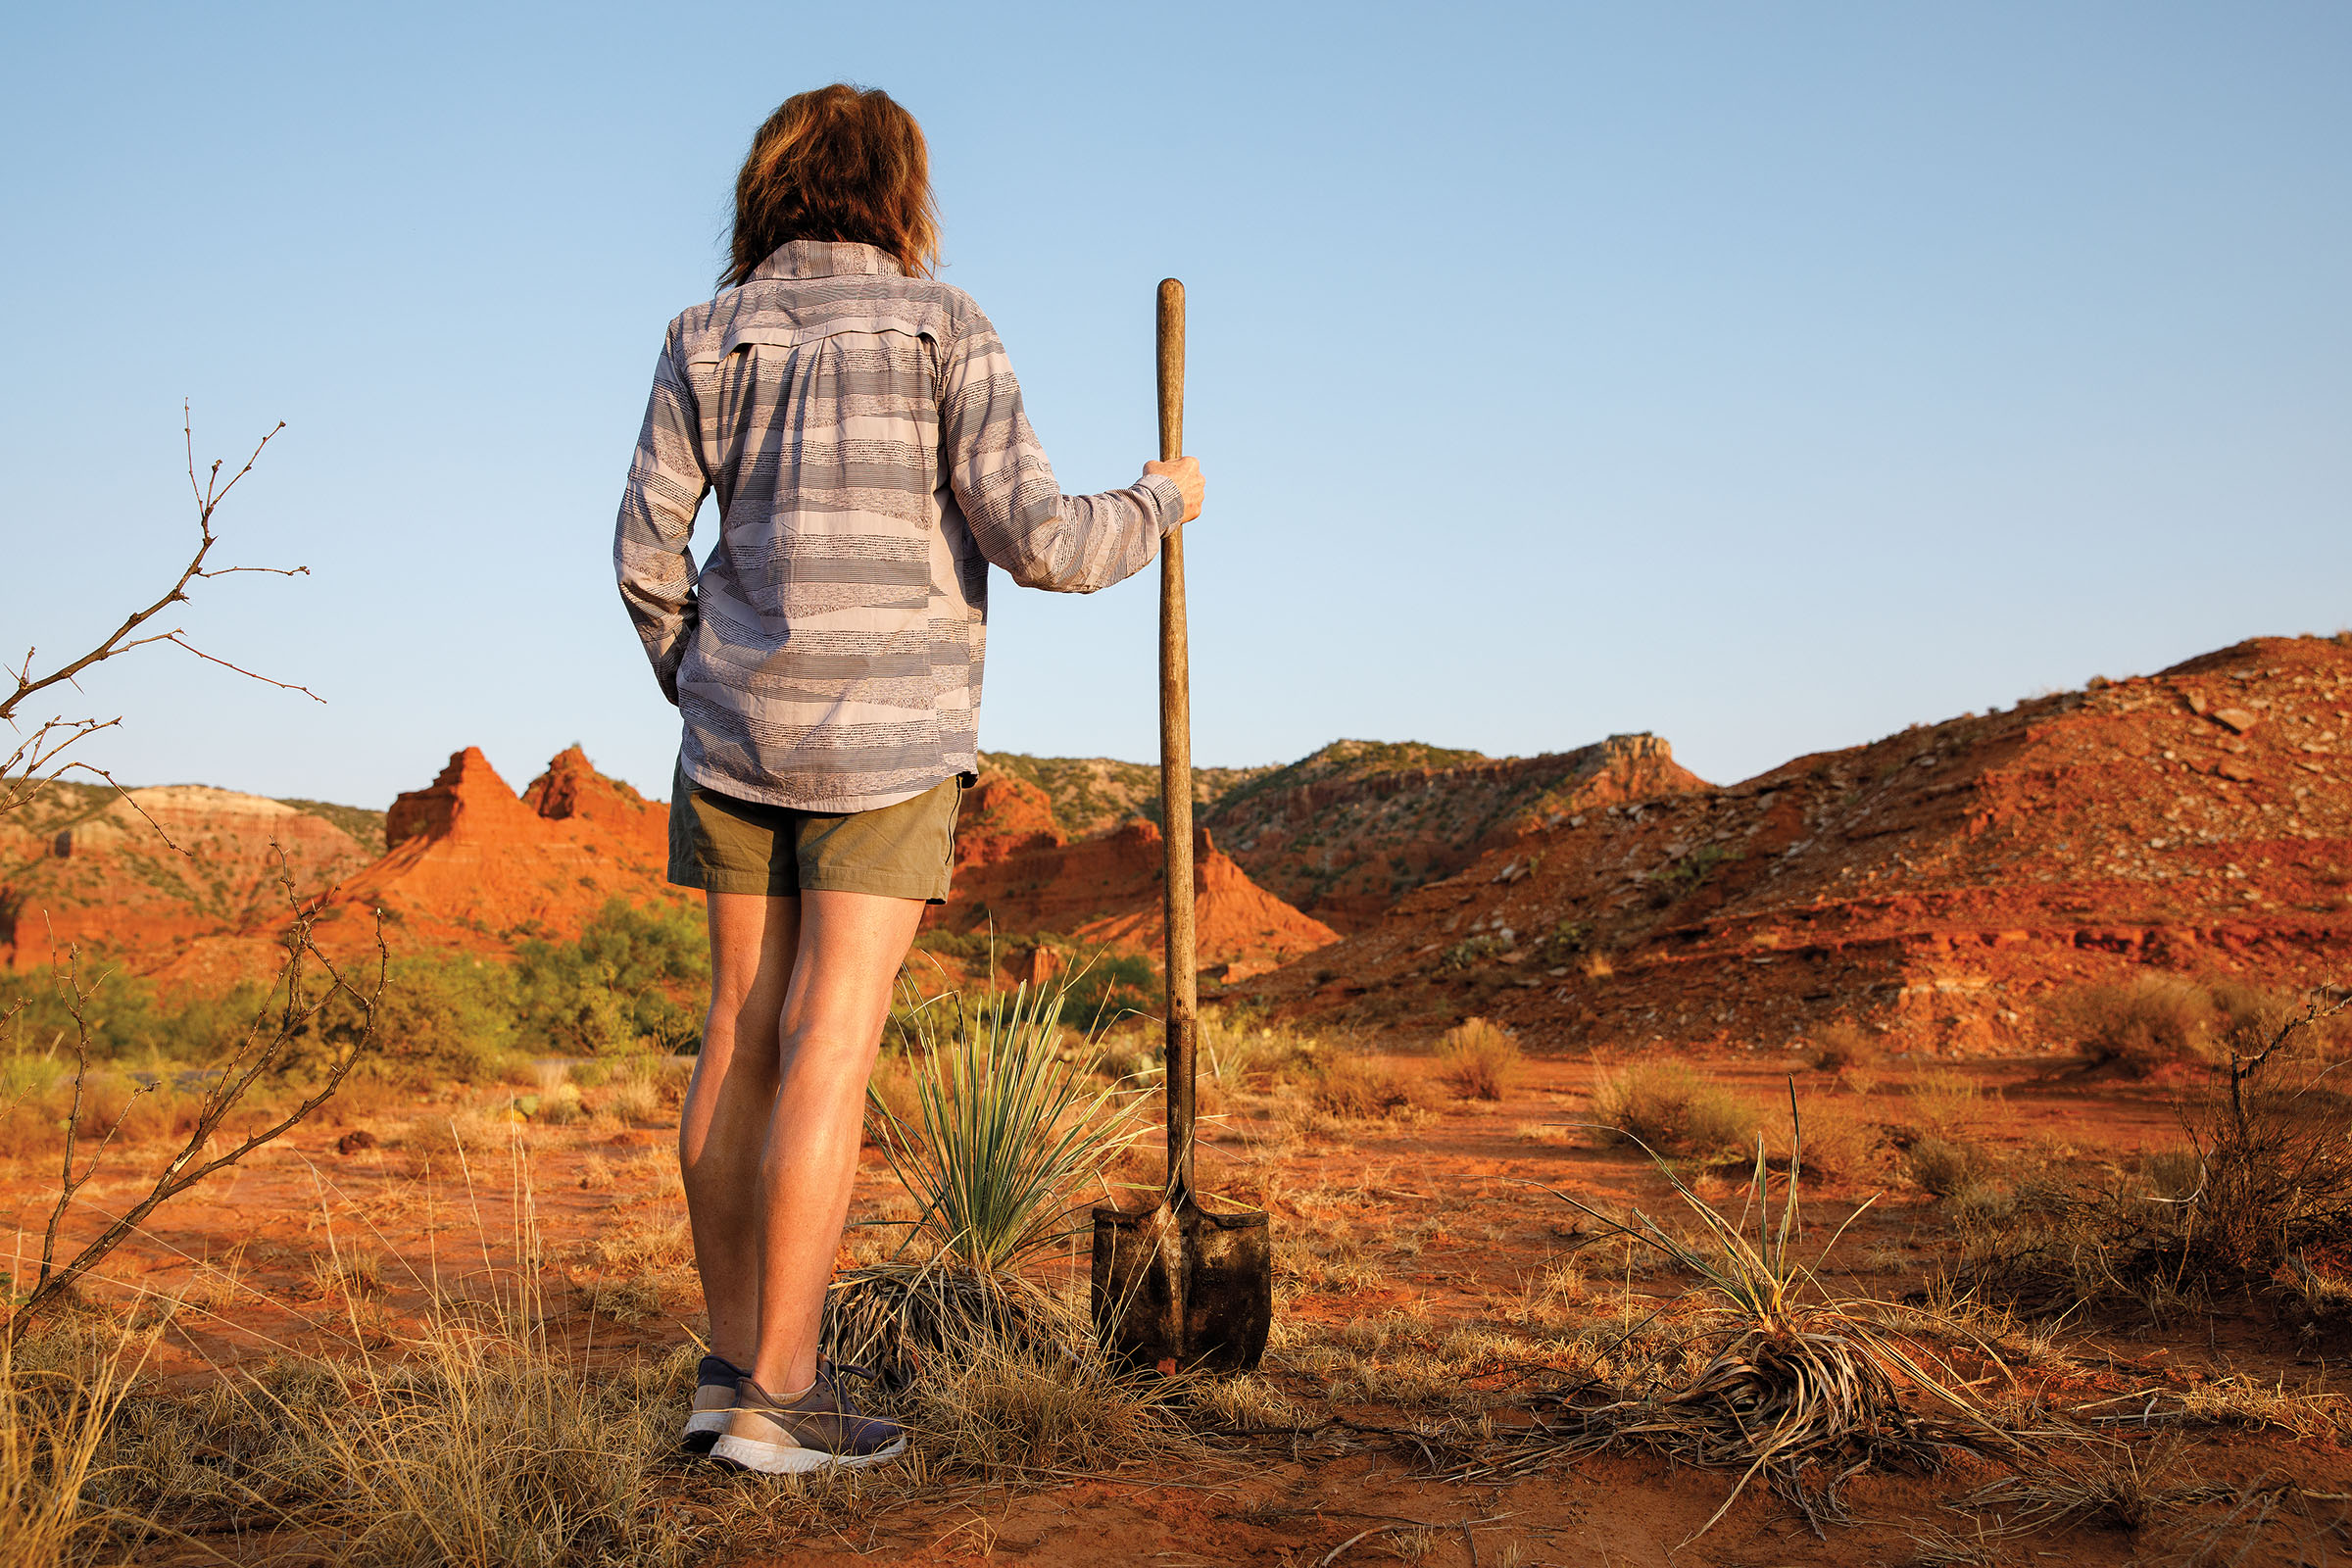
(472, 866)
(1000, 816)
(1346, 832)
(571, 787)
(1020, 877)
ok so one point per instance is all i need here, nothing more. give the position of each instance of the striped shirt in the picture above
(864, 435)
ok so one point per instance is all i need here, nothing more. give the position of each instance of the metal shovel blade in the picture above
(1179, 1284)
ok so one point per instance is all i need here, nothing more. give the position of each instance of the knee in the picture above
(828, 1050)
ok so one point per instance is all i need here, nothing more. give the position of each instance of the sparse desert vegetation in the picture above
(471, 1353)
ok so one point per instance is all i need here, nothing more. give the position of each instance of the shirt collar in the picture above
(824, 258)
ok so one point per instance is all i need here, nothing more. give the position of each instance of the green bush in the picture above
(632, 981)
(127, 1018)
(1108, 987)
(441, 1016)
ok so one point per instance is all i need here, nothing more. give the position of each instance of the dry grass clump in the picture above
(1354, 1087)
(479, 1446)
(645, 1090)
(1842, 1043)
(2158, 1022)
(1670, 1107)
(1841, 1144)
(2147, 1024)
(1239, 1054)
(1941, 1100)
(1011, 1407)
(54, 1425)
(1479, 1059)
(1945, 1166)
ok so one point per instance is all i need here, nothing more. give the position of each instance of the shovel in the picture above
(1176, 1286)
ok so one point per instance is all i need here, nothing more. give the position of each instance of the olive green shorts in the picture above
(723, 845)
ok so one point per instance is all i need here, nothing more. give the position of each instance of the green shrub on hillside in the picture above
(442, 1017)
(126, 1017)
(1108, 987)
(632, 981)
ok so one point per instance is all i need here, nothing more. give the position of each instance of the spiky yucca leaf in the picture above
(1014, 1129)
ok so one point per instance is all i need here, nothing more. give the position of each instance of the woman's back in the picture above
(865, 438)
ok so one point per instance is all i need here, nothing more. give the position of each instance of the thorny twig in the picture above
(35, 762)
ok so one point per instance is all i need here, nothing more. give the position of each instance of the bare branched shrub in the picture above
(1479, 1059)
(2260, 1199)
(276, 1032)
(39, 757)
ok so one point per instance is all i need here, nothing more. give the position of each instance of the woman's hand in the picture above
(1186, 474)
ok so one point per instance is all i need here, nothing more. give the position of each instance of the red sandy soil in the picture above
(1441, 1217)
(1944, 884)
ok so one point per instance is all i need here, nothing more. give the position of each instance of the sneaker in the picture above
(816, 1428)
(714, 1383)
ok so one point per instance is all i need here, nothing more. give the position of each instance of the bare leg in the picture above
(730, 1105)
(838, 999)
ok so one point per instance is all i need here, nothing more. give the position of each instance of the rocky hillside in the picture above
(1346, 832)
(1947, 884)
(1092, 795)
(150, 867)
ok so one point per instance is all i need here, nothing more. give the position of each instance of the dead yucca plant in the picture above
(1799, 1388)
(1011, 1136)
(1479, 1059)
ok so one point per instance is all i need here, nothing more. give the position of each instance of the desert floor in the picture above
(1425, 1280)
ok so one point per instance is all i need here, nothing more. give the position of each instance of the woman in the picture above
(864, 434)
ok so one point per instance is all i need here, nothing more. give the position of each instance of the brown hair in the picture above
(841, 162)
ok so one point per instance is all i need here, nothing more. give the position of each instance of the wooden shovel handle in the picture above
(1176, 766)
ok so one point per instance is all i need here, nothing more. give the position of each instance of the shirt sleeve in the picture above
(651, 543)
(1017, 514)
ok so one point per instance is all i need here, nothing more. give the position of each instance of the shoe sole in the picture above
(703, 1429)
(791, 1459)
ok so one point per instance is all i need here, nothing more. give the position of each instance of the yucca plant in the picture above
(1012, 1131)
(1802, 1387)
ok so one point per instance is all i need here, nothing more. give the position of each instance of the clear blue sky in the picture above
(1769, 377)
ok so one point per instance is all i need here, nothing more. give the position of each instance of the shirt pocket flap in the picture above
(792, 334)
